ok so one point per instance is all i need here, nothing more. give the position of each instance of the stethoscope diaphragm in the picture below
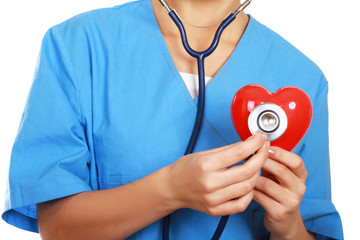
(268, 118)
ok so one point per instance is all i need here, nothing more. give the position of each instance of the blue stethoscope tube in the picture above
(200, 57)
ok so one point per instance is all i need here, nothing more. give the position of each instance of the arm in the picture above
(202, 181)
(107, 214)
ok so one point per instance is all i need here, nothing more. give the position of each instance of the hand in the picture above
(206, 182)
(280, 190)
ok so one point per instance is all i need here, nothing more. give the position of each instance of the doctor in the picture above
(99, 150)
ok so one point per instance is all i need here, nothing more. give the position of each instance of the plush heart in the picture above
(294, 101)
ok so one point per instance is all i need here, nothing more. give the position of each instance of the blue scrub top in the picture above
(107, 107)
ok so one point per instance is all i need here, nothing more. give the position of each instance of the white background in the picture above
(327, 31)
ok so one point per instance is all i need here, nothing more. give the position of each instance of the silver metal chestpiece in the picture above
(268, 118)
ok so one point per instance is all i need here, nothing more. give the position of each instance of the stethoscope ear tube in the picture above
(200, 56)
(173, 15)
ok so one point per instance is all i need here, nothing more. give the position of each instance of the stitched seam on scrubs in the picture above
(167, 55)
(169, 62)
(244, 37)
(206, 122)
(323, 86)
(75, 83)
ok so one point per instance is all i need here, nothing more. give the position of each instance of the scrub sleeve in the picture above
(50, 157)
(317, 210)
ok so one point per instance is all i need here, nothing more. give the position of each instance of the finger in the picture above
(245, 171)
(229, 156)
(283, 174)
(219, 149)
(272, 189)
(289, 159)
(215, 150)
(236, 190)
(269, 176)
(269, 204)
(232, 206)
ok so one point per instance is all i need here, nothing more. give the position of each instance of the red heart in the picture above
(294, 101)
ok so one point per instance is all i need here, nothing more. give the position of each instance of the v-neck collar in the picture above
(171, 64)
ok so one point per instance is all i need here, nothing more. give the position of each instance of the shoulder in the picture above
(103, 20)
(108, 14)
(101, 30)
(281, 48)
(284, 60)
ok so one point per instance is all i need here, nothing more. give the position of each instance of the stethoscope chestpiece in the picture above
(268, 118)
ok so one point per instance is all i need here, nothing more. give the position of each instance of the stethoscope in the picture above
(200, 56)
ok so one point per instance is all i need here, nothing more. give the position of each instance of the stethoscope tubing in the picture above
(200, 57)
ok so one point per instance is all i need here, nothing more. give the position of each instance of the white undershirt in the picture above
(192, 83)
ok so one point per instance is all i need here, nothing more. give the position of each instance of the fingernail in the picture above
(271, 152)
(264, 136)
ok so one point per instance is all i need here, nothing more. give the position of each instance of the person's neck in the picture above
(203, 12)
